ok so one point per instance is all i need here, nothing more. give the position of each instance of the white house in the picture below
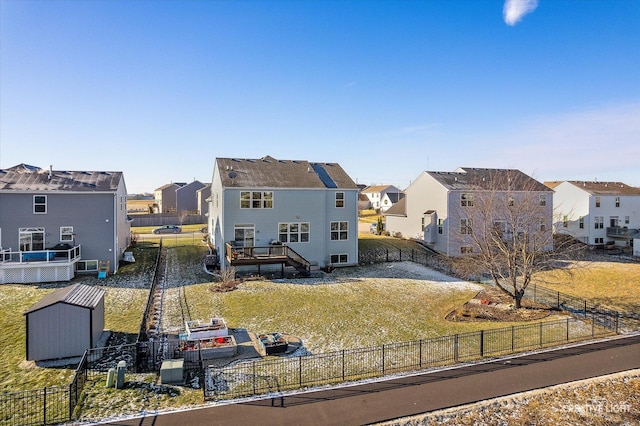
(597, 213)
(439, 209)
(267, 212)
(382, 196)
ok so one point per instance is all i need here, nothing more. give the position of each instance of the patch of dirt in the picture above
(494, 305)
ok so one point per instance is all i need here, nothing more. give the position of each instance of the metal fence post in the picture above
(343, 365)
(300, 370)
(44, 407)
(255, 378)
(540, 334)
(481, 343)
(420, 353)
(383, 359)
(455, 348)
(567, 329)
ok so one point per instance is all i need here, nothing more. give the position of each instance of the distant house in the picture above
(202, 195)
(166, 200)
(82, 214)
(382, 196)
(65, 323)
(282, 212)
(438, 207)
(187, 197)
(597, 213)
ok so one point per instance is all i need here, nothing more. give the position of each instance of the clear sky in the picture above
(388, 89)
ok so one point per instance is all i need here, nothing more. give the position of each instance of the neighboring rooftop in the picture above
(267, 172)
(24, 177)
(599, 188)
(475, 179)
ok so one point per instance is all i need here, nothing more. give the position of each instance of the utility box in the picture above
(120, 370)
(111, 377)
(171, 371)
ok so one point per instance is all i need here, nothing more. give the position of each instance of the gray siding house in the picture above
(203, 195)
(165, 198)
(65, 323)
(267, 212)
(187, 197)
(81, 214)
(438, 207)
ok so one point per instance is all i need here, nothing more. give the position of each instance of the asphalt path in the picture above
(421, 393)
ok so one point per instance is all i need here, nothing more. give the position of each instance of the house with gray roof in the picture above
(439, 209)
(597, 213)
(54, 223)
(269, 213)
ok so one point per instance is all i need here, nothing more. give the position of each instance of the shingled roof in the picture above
(479, 179)
(24, 177)
(78, 295)
(599, 188)
(267, 172)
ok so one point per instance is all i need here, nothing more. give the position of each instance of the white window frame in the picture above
(543, 200)
(340, 200)
(24, 232)
(300, 231)
(339, 230)
(66, 233)
(466, 226)
(466, 199)
(256, 199)
(341, 258)
(87, 265)
(598, 222)
(36, 204)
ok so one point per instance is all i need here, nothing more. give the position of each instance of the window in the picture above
(466, 200)
(466, 249)
(66, 233)
(626, 220)
(543, 227)
(465, 226)
(339, 231)
(598, 222)
(500, 226)
(31, 239)
(565, 221)
(244, 235)
(422, 224)
(598, 240)
(339, 199)
(256, 199)
(339, 258)
(512, 201)
(543, 200)
(39, 204)
(440, 226)
(617, 201)
(293, 232)
(581, 222)
(87, 265)
(597, 201)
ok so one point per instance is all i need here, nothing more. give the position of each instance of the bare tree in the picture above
(506, 230)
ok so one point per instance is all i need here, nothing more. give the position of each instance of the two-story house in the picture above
(597, 213)
(270, 213)
(382, 197)
(443, 208)
(54, 223)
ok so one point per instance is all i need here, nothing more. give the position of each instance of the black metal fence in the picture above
(289, 373)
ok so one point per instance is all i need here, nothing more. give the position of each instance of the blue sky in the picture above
(388, 89)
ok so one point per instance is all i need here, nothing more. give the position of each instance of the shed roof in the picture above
(80, 295)
(24, 177)
(599, 188)
(267, 172)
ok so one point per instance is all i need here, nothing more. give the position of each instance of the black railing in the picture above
(271, 375)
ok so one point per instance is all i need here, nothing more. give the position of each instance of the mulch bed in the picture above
(494, 305)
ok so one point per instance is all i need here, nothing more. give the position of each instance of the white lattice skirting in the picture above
(36, 274)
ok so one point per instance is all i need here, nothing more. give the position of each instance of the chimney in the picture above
(50, 171)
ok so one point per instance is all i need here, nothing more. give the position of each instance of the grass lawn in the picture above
(612, 284)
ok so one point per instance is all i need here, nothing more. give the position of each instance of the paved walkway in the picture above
(411, 395)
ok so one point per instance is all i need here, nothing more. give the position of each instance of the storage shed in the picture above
(65, 323)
